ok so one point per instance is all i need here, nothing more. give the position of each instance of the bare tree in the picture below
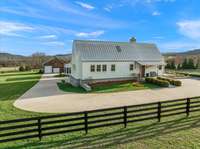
(37, 59)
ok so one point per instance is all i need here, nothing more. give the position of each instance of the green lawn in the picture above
(176, 132)
(12, 86)
(8, 69)
(117, 87)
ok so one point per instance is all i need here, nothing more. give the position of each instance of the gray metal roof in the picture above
(109, 51)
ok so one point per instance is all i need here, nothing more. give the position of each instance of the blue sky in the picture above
(50, 26)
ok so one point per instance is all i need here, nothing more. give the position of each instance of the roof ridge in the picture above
(117, 42)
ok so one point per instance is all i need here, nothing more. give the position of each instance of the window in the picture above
(68, 70)
(98, 68)
(118, 48)
(113, 67)
(92, 68)
(131, 67)
(104, 67)
(160, 67)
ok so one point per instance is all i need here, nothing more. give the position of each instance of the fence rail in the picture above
(38, 127)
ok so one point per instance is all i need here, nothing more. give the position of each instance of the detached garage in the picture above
(54, 65)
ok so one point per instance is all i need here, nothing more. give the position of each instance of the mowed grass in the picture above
(176, 132)
(12, 86)
(108, 88)
(8, 69)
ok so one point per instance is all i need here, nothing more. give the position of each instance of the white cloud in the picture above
(156, 13)
(48, 37)
(85, 5)
(190, 28)
(154, 1)
(90, 34)
(108, 8)
(54, 43)
(13, 29)
(178, 46)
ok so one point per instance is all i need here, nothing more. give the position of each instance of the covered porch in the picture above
(151, 68)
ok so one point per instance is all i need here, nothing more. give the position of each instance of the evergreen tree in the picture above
(190, 64)
(185, 64)
(173, 65)
(197, 64)
(179, 66)
(168, 66)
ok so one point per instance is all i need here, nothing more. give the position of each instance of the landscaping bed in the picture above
(108, 87)
(163, 82)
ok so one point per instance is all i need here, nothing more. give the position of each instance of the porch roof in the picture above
(151, 62)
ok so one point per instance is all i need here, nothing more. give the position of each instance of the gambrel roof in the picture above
(117, 51)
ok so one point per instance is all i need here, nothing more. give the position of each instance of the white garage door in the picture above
(47, 69)
(56, 70)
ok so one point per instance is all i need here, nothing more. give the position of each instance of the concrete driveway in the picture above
(46, 97)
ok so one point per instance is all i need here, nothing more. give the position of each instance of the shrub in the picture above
(137, 84)
(40, 71)
(171, 81)
(27, 68)
(63, 81)
(177, 83)
(21, 68)
(156, 81)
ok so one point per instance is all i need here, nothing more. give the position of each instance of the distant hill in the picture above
(8, 56)
(7, 59)
(64, 56)
(191, 52)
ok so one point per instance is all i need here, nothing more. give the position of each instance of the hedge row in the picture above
(171, 81)
(156, 81)
(189, 74)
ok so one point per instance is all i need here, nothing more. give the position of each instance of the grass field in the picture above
(117, 87)
(176, 132)
(8, 69)
(12, 86)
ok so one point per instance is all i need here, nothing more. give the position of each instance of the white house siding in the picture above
(121, 70)
(76, 65)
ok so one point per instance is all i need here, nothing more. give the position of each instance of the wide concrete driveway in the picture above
(46, 97)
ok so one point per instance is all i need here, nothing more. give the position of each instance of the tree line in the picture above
(35, 61)
(187, 64)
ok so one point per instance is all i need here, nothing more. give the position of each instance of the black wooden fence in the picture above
(38, 127)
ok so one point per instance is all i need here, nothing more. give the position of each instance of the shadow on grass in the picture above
(13, 90)
(114, 137)
(66, 87)
(23, 78)
(17, 74)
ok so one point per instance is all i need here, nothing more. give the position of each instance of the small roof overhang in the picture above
(151, 62)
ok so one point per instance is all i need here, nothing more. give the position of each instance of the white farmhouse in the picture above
(94, 61)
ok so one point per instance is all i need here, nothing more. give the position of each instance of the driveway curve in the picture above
(45, 96)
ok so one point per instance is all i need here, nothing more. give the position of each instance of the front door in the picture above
(142, 71)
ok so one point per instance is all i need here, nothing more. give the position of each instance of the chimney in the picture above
(132, 40)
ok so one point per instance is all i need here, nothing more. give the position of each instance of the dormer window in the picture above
(118, 48)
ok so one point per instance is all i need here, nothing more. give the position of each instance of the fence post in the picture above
(159, 111)
(39, 129)
(188, 107)
(125, 117)
(86, 121)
